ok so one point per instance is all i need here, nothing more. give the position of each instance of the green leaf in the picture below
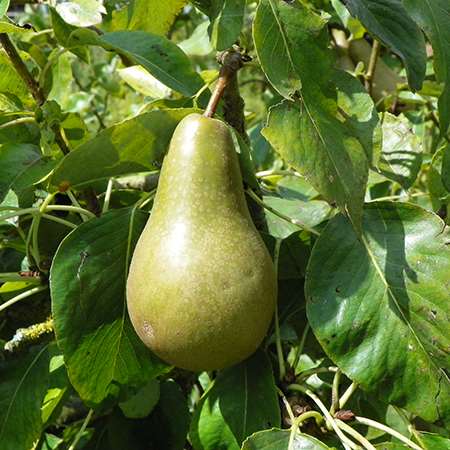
(61, 80)
(140, 80)
(198, 43)
(161, 57)
(402, 152)
(10, 81)
(15, 159)
(433, 16)
(291, 42)
(23, 386)
(292, 45)
(50, 442)
(169, 421)
(88, 276)
(379, 304)
(226, 23)
(276, 439)
(135, 145)
(309, 213)
(81, 13)
(142, 402)
(153, 16)
(4, 5)
(241, 401)
(322, 150)
(445, 172)
(389, 21)
(434, 441)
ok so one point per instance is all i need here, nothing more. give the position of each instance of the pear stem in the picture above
(232, 60)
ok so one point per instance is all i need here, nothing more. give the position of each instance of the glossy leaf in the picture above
(379, 305)
(153, 16)
(135, 145)
(142, 402)
(61, 80)
(140, 80)
(10, 81)
(81, 13)
(241, 401)
(433, 16)
(22, 389)
(101, 350)
(161, 57)
(402, 152)
(389, 21)
(276, 439)
(15, 159)
(434, 441)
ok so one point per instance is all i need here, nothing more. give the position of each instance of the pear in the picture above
(202, 287)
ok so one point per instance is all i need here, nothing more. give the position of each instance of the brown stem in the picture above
(22, 69)
(232, 60)
(372, 65)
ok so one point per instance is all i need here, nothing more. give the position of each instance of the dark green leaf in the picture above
(22, 389)
(279, 440)
(226, 23)
(161, 57)
(241, 401)
(15, 159)
(434, 441)
(389, 21)
(320, 148)
(402, 152)
(142, 402)
(169, 421)
(433, 16)
(88, 276)
(379, 304)
(135, 145)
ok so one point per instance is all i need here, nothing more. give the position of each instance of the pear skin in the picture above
(202, 287)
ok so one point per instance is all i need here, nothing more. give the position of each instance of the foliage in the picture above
(346, 163)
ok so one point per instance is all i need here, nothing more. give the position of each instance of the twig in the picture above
(347, 394)
(354, 434)
(30, 334)
(19, 121)
(231, 60)
(81, 430)
(335, 392)
(386, 429)
(21, 296)
(281, 365)
(372, 65)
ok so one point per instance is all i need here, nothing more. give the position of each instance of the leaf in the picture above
(61, 80)
(434, 441)
(402, 152)
(4, 5)
(226, 23)
(153, 16)
(135, 145)
(142, 402)
(198, 43)
(310, 213)
(241, 401)
(379, 305)
(169, 421)
(433, 16)
(10, 81)
(276, 439)
(15, 159)
(327, 154)
(87, 279)
(161, 57)
(291, 43)
(309, 134)
(445, 172)
(389, 21)
(23, 386)
(81, 13)
(140, 80)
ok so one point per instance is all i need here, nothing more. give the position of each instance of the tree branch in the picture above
(372, 65)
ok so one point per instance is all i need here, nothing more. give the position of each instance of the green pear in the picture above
(202, 287)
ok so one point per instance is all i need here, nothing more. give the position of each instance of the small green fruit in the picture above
(202, 287)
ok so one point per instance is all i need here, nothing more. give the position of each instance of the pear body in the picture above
(202, 288)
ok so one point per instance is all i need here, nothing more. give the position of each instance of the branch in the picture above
(372, 65)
